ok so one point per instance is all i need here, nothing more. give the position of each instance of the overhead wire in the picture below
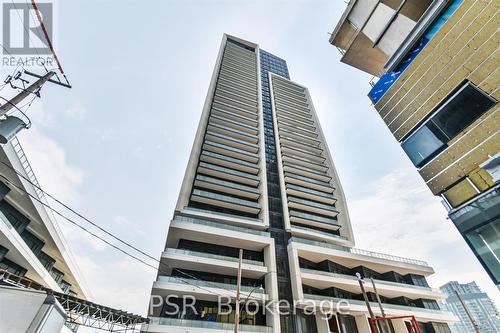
(105, 231)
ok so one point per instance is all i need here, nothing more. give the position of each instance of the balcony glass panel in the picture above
(310, 191)
(229, 159)
(208, 325)
(226, 184)
(377, 281)
(208, 284)
(303, 168)
(313, 217)
(410, 309)
(213, 256)
(227, 170)
(221, 225)
(359, 251)
(294, 226)
(307, 179)
(225, 198)
(311, 203)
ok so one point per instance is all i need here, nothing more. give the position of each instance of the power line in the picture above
(103, 230)
(104, 240)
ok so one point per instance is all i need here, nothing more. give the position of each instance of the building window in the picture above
(485, 241)
(451, 118)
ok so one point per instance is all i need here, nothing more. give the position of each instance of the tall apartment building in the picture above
(481, 307)
(260, 178)
(437, 64)
(31, 243)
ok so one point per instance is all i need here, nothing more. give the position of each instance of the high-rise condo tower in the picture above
(261, 178)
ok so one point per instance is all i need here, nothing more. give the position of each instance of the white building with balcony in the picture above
(261, 178)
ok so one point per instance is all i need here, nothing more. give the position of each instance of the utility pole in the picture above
(473, 321)
(365, 296)
(238, 287)
(386, 324)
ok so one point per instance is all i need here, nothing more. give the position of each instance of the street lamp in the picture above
(248, 297)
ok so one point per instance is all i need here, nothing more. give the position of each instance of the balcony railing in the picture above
(324, 233)
(208, 325)
(360, 252)
(409, 309)
(212, 256)
(377, 281)
(221, 225)
(312, 217)
(208, 284)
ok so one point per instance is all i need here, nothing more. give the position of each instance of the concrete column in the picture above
(399, 326)
(322, 323)
(362, 323)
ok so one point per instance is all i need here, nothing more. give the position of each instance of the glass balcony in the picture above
(324, 233)
(409, 309)
(229, 185)
(305, 160)
(250, 138)
(307, 179)
(291, 140)
(360, 252)
(377, 282)
(225, 198)
(230, 160)
(302, 121)
(311, 203)
(208, 284)
(309, 191)
(304, 168)
(315, 157)
(229, 171)
(299, 136)
(220, 225)
(251, 157)
(212, 256)
(232, 140)
(312, 217)
(236, 116)
(208, 325)
(298, 128)
(249, 130)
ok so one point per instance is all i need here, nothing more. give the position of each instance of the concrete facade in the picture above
(261, 178)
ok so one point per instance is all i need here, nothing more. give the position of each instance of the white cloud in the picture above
(122, 284)
(77, 111)
(51, 167)
(401, 217)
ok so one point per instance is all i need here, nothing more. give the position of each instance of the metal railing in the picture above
(212, 256)
(361, 252)
(18, 149)
(220, 225)
(377, 281)
(208, 324)
(410, 309)
(208, 284)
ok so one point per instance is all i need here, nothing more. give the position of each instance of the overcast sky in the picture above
(115, 147)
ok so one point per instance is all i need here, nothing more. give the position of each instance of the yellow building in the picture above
(437, 91)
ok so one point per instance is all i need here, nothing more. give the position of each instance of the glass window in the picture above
(485, 241)
(423, 145)
(457, 112)
(461, 110)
